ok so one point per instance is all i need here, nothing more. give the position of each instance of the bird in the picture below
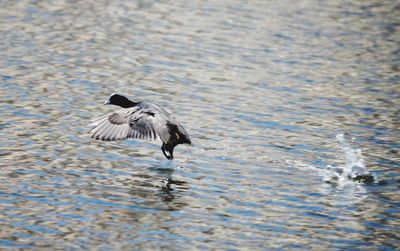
(140, 120)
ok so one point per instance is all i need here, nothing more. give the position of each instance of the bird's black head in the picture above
(119, 100)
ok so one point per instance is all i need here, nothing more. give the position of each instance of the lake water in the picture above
(293, 108)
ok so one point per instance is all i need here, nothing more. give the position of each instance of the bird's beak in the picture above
(107, 102)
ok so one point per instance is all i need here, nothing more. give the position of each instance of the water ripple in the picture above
(292, 107)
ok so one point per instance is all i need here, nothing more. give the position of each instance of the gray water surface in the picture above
(286, 103)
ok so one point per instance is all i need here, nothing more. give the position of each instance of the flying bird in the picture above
(140, 120)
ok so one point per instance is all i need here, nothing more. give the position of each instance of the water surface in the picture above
(286, 102)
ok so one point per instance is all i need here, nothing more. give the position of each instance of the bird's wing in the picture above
(135, 122)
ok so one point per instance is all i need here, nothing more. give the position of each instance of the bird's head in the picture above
(119, 100)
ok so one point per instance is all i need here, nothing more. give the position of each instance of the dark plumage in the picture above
(140, 120)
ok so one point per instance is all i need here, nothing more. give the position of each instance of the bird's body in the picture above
(140, 120)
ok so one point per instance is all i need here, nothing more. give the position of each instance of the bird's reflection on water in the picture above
(169, 185)
(155, 184)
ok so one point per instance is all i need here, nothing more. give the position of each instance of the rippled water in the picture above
(288, 103)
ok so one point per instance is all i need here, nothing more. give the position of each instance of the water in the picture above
(353, 169)
(293, 108)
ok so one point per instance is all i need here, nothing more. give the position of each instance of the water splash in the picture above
(353, 171)
(344, 183)
(354, 168)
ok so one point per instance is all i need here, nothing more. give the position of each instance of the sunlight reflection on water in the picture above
(263, 89)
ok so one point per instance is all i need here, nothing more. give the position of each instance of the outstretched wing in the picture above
(135, 122)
